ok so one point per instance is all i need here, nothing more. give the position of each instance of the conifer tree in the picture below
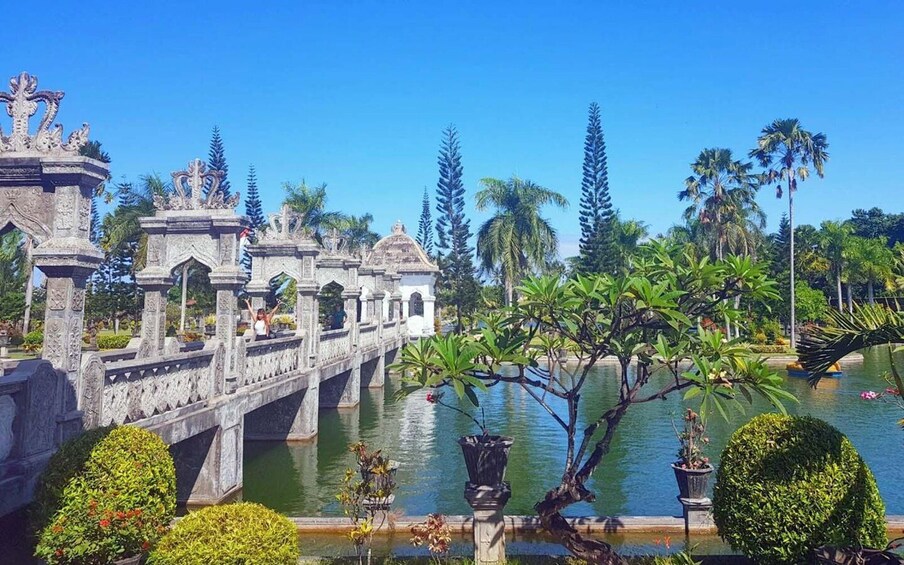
(216, 159)
(425, 226)
(254, 212)
(458, 283)
(597, 250)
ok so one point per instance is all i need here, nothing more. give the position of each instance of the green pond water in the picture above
(634, 479)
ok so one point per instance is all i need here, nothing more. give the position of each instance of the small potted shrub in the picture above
(692, 469)
(210, 325)
(116, 506)
(243, 532)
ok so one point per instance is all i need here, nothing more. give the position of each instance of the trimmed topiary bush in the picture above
(113, 341)
(33, 341)
(787, 485)
(233, 533)
(117, 506)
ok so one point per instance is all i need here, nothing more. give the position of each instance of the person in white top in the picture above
(262, 320)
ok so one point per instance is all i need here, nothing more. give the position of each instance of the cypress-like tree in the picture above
(254, 212)
(425, 226)
(216, 159)
(597, 250)
(458, 283)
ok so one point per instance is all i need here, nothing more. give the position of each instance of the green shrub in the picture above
(33, 341)
(787, 485)
(233, 533)
(119, 504)
(757, 348)
(759, 338)
(63, 466)
(113, 341)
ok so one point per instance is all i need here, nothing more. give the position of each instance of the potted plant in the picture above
(210, 325)
(486, 455)
(692, 469)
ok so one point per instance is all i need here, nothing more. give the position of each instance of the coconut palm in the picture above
(517, 239)
(787, 150)
(834, 238)
(721, 190)
(310, 203)
(356, 232)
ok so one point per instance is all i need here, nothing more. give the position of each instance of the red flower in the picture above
(120, 515)
(104, 523)
(58, 553)
(56, 528)
(431, 398)
(145, 545)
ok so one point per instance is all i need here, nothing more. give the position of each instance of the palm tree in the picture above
(787, 150)
(356, 232)
(719, 187)
(122, 227)
(834, 240)
(627, 235)
(874, 262)
(516, 240)
(310, 203)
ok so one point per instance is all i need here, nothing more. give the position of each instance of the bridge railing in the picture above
(127, 391)
(272, 358)
(367, 336)
(335, 344)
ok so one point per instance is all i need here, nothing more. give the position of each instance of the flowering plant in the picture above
(436, 397)
(434, 532)
(692, 439)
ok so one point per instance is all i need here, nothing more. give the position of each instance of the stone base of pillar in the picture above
(293, 418)
(209, 466)
(373, 373)
(489, 522)
(697, 514)
(342, 390)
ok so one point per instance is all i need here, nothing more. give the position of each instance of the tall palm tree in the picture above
(874, 262)
(787, 150)
(310, 203)
(719, 187)
(627, 235)
(122, 226)
(356, 232)
(517, 239)
(834, 238)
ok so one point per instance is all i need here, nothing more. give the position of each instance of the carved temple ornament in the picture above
(334, 244)
(189, 187)
(287, 225)
(21, 104)
(398, 228)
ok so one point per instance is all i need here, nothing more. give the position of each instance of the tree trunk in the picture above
(838, 284)
(850, 298)
(870, 293)
(184, 297)
(509, 291)
(791, 222)
(29, 286)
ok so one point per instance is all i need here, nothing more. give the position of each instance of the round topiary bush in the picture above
(233, 533)
(117, 506)
(786, 485)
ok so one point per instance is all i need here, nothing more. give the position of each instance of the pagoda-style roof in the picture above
(400, 253)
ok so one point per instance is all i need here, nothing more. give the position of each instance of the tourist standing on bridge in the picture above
(338, 319)
(262, 320)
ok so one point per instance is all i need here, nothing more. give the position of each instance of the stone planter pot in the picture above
(692, 483)
(486, 458)
(381, 482)
(210, 331)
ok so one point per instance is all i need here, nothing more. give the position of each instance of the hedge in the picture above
(233, 533)
(33, 341)
(113, 341)
(117, 506)
(787, 485)
(757, 348)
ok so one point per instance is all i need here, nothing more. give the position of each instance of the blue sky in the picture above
(356, 94)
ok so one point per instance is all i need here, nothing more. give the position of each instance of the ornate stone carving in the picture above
(7, 415)
(287, 226)
(56, 298)
(43, 395)
(78, 299)
(188, 190)
(74, 343)
(334, 244)
(181, 247)
(65, 210)
(21, 104)
(53, 341)
(91, 393)
(84, 215)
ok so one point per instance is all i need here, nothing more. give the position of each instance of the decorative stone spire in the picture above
(398, 228)
(188, 190)
(334, 244)
(287, 225)
(21, 104)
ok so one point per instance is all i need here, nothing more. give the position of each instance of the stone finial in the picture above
(334, 244)
(287, 225)
(188, 190)
(398, 228)
(21, 104)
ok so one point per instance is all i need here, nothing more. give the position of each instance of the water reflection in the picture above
(634, 479)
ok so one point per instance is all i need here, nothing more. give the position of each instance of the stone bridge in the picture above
(205, 402)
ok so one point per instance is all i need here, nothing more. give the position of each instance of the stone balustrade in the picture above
(272, 358)
(367, 336)
(335, 344)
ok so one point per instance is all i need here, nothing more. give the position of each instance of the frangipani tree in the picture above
(647, 320)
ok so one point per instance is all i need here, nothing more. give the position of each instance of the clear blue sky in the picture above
(356, 94)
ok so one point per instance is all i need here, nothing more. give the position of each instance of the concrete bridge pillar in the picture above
(342, 390)
(373, 372)
(228, 282)
(307, 314)
(155, 282)
(209, 464)
(293, 418)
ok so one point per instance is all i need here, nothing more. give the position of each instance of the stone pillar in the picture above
(697, 514)
(489, 523)
(306, 317)
(293, 418)
(350, 299)
(342, 390)
(429, 315)
(227, 281)
(209, 465)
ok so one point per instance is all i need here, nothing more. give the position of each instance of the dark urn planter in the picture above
(486, 458)
(210, 331)
(692, 483)
(381, 482)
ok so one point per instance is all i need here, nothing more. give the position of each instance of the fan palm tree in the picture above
(719, 187)
(787, 150)
(310, 203)
(834, 238)
(517, 239)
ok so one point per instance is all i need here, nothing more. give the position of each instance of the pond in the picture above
(635, 478)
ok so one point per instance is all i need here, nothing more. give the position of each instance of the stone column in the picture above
(227, 281)
(351, 307)
(155, 282)
(209, 465)
(697, 514)
(429, 315)
(488, 503)
(293, 418)
(306, 315)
